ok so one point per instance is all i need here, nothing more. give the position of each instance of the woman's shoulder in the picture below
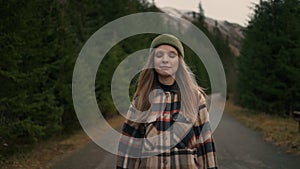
(201, 95)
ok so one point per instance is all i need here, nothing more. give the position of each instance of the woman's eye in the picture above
(172, 55)
(159, 54)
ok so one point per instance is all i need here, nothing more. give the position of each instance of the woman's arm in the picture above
(130, 146)
(205, 144)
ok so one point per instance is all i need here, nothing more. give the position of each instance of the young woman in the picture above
(167, 124)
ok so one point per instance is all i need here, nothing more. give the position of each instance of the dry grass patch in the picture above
(44, 154)
(282, 132)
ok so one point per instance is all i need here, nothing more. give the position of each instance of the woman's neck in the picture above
(168, 80)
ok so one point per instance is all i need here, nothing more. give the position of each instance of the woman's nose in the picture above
(165, 58)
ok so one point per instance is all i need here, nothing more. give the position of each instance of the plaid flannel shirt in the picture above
(164, 138)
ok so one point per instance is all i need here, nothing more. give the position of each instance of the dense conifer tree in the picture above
(269, 67)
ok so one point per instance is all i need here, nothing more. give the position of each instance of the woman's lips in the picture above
(164, 67)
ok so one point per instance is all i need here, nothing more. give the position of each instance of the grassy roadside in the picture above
(282, 132)
(44, 154)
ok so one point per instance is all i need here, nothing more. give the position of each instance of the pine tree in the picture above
(269, 71)
(40, 42)
(221, 44)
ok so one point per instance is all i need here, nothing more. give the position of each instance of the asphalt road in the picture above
(237, 148)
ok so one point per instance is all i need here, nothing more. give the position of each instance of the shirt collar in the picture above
(160, 90)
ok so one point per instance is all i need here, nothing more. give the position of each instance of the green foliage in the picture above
(40, 41)
(110, 63)
(221, 45)
(269, 66)
(198, 68)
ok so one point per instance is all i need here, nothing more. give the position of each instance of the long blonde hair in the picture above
(185, 79)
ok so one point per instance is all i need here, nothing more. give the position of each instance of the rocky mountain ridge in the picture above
(232, 31)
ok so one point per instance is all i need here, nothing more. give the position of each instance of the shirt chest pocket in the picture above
(157, 135)
(163, 133)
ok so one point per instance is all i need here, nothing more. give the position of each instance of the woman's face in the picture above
(166, 60)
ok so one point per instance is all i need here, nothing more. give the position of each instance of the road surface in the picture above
(237, 148)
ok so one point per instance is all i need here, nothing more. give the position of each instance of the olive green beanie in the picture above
(167, 39)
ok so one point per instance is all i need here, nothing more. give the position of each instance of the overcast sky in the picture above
(236, 11)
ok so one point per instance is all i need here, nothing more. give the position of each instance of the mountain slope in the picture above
(232, 31)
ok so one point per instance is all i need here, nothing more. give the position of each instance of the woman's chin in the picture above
(164, 74)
